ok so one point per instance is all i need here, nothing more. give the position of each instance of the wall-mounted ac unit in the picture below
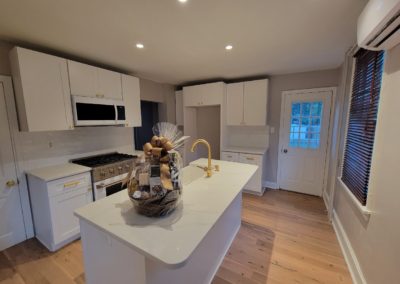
(378, 26)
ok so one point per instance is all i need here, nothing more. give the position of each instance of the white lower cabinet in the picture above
(53, 205)
(230, 157)
(255, 184)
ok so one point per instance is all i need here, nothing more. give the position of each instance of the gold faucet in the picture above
(207, 169)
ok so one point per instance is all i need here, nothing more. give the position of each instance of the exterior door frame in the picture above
(331, 121)
(22, 183)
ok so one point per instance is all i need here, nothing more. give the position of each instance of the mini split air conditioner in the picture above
(378, 26)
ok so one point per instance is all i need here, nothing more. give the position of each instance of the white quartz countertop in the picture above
(58, 171)
(248, 150)
(172, 239)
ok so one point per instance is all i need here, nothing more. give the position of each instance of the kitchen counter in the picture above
(165, 248)
(58, 171)
(247, 150)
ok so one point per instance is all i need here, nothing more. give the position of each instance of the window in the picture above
(362, 122)
(305, 128)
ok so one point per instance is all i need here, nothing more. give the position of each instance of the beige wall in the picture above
(376, 241)
(5, 68)
(307, 80)
(164, 94)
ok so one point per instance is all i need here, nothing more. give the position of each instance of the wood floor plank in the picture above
(285, 238)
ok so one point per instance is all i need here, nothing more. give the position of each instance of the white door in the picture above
(303, 140)
(12, 229)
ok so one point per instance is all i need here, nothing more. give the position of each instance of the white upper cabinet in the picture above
(255, 102)
(83, 79)
(109, 84)
(90, 81)
(179, 107)
(234, 102)
(204, 95)
(41, 90)
(247, 103)
(131, 97)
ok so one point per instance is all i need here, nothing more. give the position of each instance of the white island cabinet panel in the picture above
(186, 246)
(131, 97)
(41, 90)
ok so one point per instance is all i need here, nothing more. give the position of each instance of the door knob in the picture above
(11, 183)
(285, 151)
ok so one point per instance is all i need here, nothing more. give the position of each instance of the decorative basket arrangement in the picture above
(154, 185)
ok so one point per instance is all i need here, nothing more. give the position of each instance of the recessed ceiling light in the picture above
(182, 1)
(140, 45)
(228, 47)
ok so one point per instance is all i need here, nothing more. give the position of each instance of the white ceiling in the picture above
(185, 42)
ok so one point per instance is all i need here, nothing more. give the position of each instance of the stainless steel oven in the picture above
(109, 172)
(89, 111)
(109, 186)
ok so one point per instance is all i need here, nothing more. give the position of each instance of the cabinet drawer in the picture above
(230, 156)
(67, 184)
(251, 159)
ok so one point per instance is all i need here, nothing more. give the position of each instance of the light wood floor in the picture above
(285, 238)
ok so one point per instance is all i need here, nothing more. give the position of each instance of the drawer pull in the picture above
(250, 159)
(71, 184)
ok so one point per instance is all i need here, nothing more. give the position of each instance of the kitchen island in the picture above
(188, 246)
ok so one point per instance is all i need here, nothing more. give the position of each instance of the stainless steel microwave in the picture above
(89, 111)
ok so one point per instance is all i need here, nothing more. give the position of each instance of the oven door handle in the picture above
(102, 185)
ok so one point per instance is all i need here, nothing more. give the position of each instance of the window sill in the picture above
(363, 209)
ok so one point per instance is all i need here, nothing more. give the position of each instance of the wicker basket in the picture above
(156, 206)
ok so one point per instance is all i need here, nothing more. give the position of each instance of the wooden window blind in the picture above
(367, 79)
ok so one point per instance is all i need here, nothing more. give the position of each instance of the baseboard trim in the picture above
(348, 252)
(270, 184)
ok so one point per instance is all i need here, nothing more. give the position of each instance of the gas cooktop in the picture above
(102, 160)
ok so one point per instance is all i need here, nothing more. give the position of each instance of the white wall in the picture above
(297, 81)
(376, 241)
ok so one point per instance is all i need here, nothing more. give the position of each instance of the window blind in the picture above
(367, 79)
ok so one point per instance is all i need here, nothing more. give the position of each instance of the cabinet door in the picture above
(179, 107)
(65, 224)
(82, 79)
(192, 96)
(234, 99)
(212, 94)
(255, 102)
(230, 156)
(131, 96)
(42, 91)
(254, 183)
(109, 84)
